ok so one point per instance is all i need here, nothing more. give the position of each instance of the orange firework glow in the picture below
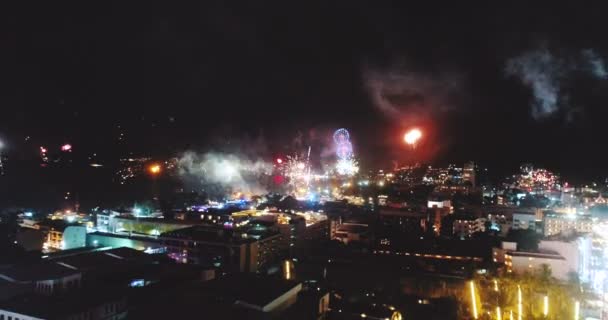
(154, 169)
(412, 136)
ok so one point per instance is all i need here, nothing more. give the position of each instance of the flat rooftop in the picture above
(53, 307)
(253, 289)
(59, 225)
(352, 228)
(545, 254)
(213, 234)
(45, 270)
(160, 220)
(125, 236)
(96, 259)
(62, 266)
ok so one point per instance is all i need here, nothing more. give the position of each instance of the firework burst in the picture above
(347, 167)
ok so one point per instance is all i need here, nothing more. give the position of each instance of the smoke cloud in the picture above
(595, 63)
(545, 73)
(221, 173)
(542, 72)
(409, 95)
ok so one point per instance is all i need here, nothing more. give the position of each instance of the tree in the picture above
(527, 240)
(166, 207)
(545, 273)
(288, 203)
(534, 287)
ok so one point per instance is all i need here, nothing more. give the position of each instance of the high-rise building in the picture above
(231, 251)
(61, 235)
(555, 224)
(468, 174)
(465, 228)
(563, 257)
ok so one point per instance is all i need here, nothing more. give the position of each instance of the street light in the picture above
(473, 299)
(520, 306)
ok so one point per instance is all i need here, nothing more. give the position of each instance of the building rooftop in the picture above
(45, 270)
(59, 225)
(10, 289)
(353, 228)
(53, 307)
(159, 220)
(214, 234)
(235, 296)
(188, 301)
(577, 217)
(404, 212)
(464, 248)
(266, 221)
(545, 254)
(125, 236)
(96, 259)
(251, 289)
(69, 252)
(58, 267)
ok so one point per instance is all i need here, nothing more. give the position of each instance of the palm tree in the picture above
(545, 273)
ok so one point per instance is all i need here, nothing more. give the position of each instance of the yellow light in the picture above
(520, 307)
(577, 310)
(287, 271)
(473, 299)
(511, 315)
(154, 169)
(363, 315)
(412, 136)
(546, 306)
(495, 285)
(498, 314)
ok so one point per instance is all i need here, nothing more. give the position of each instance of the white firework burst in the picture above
(347, 167)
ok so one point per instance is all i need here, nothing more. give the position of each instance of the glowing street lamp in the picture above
(473, 299)
(520, 306)
(287, 270)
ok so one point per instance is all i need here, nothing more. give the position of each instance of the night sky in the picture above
(172, 77)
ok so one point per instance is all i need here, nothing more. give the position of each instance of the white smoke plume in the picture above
(595, 63)
(408, 95)
(542, 72)
(229, 172)
(545, 72)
